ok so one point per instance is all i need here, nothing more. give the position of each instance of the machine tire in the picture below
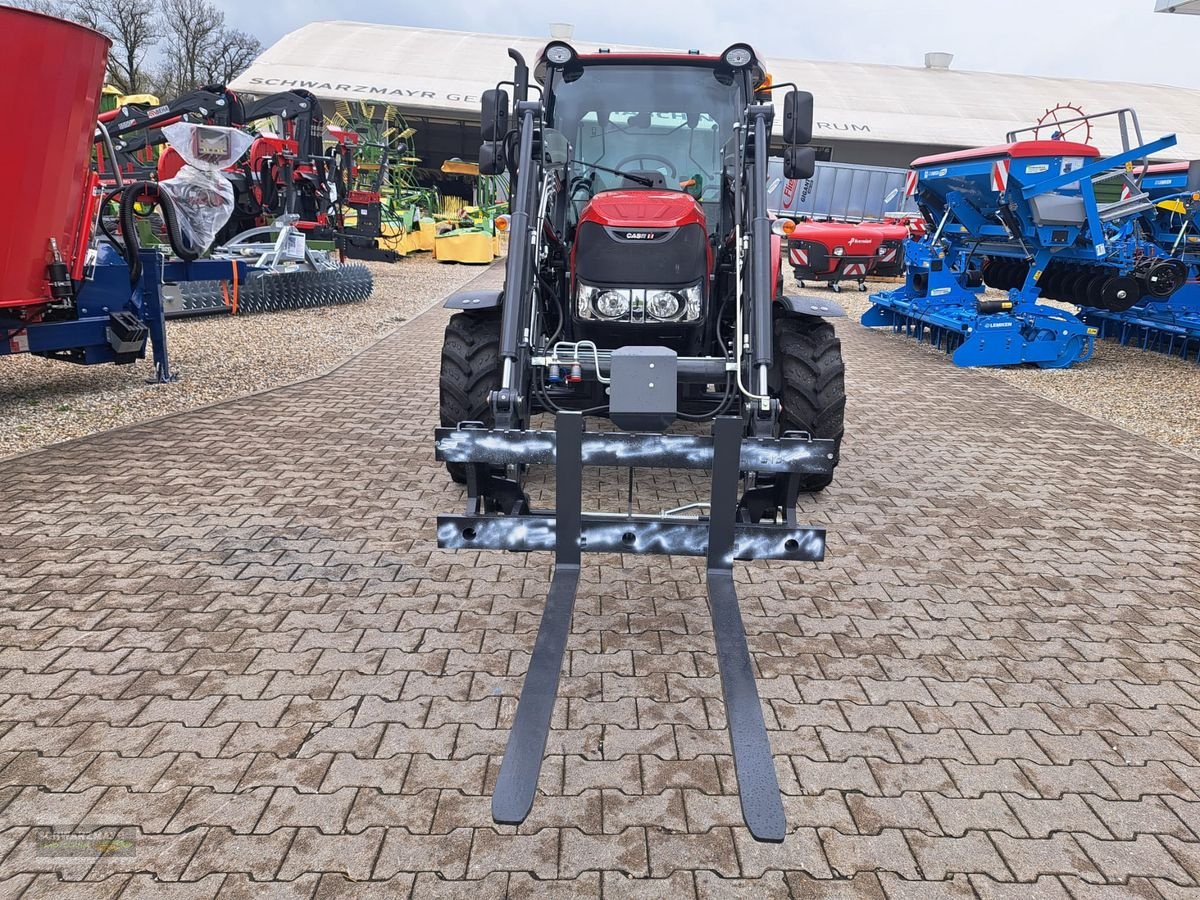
(470, 372)
(812, 383)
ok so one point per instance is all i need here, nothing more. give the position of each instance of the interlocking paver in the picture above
(939, 858)
(267, 671)
(257, 855)
(850, 854)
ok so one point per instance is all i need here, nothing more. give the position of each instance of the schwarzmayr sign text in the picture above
(373, 90)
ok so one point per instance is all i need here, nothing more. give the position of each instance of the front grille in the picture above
(677, 258)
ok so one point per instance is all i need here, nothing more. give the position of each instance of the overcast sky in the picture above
(1121, 40)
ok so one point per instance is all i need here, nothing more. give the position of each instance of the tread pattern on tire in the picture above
(813, 382)
(470, 372)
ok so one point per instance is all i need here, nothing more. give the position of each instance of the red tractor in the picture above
(642, 285)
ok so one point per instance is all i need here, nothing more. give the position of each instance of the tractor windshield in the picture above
(669, 119)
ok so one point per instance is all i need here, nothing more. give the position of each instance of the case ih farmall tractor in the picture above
(643, 285)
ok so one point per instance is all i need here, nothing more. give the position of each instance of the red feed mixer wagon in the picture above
(44, 238)
(838, 251)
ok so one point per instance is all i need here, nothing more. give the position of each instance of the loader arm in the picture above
(298, 107)
(132, 128)
(518, 274)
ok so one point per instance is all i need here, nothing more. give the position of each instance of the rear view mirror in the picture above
(491, 158)
(799, 162)
(494, 122)
(797, 117)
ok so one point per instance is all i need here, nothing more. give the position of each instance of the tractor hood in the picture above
(643, 209)
(640, 238)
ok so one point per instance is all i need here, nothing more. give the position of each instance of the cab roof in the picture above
(648, 57)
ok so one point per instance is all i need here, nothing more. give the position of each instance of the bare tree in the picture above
(193, 32)
(133, 27)
(45, 7)
(231, 56)
(196, 46)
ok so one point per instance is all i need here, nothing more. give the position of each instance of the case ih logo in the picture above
(642, 235)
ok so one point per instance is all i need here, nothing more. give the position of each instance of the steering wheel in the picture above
(648, 157)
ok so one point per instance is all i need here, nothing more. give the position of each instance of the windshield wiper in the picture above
(636, 179)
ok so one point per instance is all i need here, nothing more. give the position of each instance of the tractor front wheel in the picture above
(811, 382)
(470, 372)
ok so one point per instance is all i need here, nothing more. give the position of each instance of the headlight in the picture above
(675, 306)
(602, 303)
(612, 304)
(636, 305)
(559, 53)
(738, 56)
(663, 304)
(839, 251)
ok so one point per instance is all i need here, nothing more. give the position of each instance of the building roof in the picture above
(441, 74)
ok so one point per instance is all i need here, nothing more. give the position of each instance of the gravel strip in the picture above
(44, 402)
(1150, 394)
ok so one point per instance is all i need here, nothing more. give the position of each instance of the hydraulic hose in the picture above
(112, 154)
(266, 183)
(179, 245)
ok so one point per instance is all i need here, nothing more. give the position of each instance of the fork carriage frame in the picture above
(503, 520)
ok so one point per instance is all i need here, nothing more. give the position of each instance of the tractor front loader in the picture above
(643, 286)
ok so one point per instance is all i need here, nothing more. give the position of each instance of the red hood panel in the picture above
(643, 209)
(856, 238)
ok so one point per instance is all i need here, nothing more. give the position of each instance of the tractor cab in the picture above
(646, 122)
(645, 137)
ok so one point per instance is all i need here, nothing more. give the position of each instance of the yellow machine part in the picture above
(458, 167)
(142, 99)
(1173, 206)
(419, 239)
(427, 234)
(467, 247)
(396, 239)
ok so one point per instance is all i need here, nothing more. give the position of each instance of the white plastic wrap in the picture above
(202, 195)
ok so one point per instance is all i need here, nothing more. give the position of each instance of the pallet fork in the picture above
(723, 536)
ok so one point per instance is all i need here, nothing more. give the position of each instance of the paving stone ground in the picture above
(229, 637)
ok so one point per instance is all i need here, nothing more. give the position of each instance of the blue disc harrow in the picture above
(1167, 318)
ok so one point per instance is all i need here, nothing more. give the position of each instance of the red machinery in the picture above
(914, 222)
(50, 189)
(135, 132)
(889, 263)
(837, 251)
(57, 300)
(833, 251)
(284, 174)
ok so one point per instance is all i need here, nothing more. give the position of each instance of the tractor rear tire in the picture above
(470, 372)
(812, 384)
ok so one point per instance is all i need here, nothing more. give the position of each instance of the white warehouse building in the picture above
(865, 114)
